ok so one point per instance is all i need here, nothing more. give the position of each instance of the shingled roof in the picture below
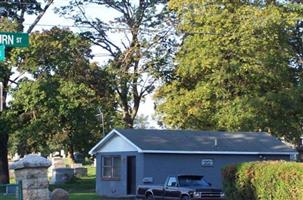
(184, 141)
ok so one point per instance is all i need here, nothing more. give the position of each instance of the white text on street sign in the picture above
(14, 39)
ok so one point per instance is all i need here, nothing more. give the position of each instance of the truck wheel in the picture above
(149, 197)
(185, 198)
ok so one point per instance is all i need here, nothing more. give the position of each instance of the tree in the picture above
(54, 114)
(234, 71)
(141, 122)
(141, 56)
(12, 14)
(58, 108)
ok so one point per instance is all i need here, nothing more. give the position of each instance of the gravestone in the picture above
(62, 175)
(59, 194)
(76, 165)
(58, 162)
(80, 171)
(32, 171)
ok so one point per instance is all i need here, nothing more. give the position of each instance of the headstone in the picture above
(62, 175)
(32, 171)
(62, 152)
(16, 157)
(76, 165)
(58, 162)
(80, 171)
(59, 194)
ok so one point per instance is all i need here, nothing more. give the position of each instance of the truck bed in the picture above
(142, 189)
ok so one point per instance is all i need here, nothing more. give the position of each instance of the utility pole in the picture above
(101, 117)
(1, 96)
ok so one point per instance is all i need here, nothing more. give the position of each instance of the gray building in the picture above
(129, 157)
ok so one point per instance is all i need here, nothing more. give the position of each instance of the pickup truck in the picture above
(183, 187)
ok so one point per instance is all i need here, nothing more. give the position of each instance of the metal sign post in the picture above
(101, 117)
(1, 96)
(2, 52)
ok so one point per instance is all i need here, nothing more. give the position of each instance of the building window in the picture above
(111, 166)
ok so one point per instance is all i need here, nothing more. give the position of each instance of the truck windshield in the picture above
(192, 181)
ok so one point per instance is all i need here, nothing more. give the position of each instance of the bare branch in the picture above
(107, 44)
(38, 18)
(13, 81)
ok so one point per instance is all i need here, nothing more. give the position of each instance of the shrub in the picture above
(271, 180)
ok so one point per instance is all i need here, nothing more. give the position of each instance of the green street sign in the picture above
(14, 39)
(2, 52)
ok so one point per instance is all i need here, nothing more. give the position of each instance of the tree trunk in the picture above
(4, 174)
(70, 154)
(128, 120)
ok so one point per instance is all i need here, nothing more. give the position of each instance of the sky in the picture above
(51, 19)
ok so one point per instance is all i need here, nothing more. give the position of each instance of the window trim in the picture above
(112, 168)
(175, 181)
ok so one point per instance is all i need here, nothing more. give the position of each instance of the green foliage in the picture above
(263, 181)
(12, 16)
(57, 109)
(141, 55)
(58, 51)
(15, 10)
(141, 122)
(234, 69)
(6, 25)
(81, 188)
(53, 114)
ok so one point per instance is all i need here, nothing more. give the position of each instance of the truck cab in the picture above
(182, 187)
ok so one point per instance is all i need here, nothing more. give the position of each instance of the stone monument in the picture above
(32, 171)
(59, 194)
(57, 162)
(62, 175)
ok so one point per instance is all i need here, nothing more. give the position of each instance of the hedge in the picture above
(270, 180)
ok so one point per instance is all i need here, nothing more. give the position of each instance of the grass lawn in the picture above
(81, 188)
(4, 197)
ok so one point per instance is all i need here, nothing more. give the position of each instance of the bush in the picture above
(272, 180)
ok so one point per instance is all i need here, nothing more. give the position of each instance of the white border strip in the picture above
(127, 140)
(107, 137)
(220, 152)
(91, 152)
